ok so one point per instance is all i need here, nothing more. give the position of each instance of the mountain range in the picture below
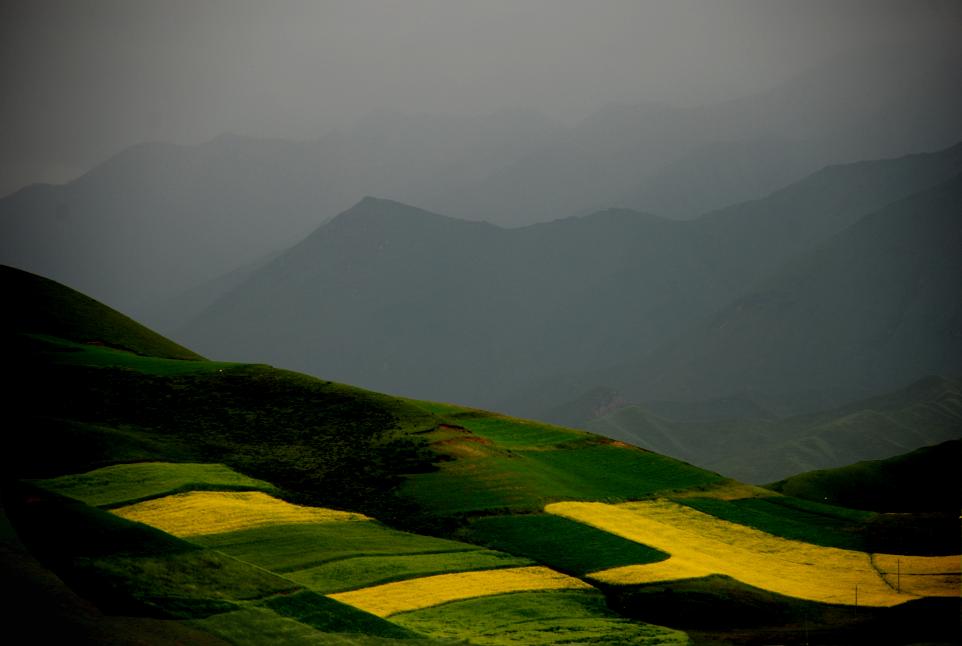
(622, 299)
(763, 448)
(158, 220)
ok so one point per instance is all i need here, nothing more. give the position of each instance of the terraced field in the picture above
(550, 540)
(327, 574)
(700, 545)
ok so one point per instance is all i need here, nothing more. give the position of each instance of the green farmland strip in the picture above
(330, 616)
(527, 480)
(127, 483)
(191, 584)
(560, 543)
(535, 618)
(792, 518)
(259, 626)
(364, 571)
(506, 432)
(514, 433)
(61, 351)
(296, 547)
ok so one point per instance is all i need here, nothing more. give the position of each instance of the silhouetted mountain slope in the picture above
(927, 479)
(874, 307)
(398, 298)
(759, 449)
(36, 305)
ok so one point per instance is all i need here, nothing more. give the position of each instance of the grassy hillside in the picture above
(927, 479)
(40, 306)
(250, 503)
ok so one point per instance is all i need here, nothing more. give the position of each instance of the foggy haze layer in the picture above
(82, 81)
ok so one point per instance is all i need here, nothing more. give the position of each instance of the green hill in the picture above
(37, 305)
(927, 479)
(261, 506)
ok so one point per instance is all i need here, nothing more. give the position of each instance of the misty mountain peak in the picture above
(377, 209)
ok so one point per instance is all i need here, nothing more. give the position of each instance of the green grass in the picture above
(296, 547)
(330, 616)
(185, 585)
(926, 480)
(559, 543)
(127, 567)
(527, 480)
(42, 306)
(81, 447)
(60, 529)
(507, 432)
(260, 626)
(325, 443)
(364, 571)
(127, 483)
(792, 518)
(535, 618)
(67, 352)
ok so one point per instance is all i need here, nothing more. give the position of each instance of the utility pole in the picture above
(898, 575)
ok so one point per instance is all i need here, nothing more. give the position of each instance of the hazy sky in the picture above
(83, 79)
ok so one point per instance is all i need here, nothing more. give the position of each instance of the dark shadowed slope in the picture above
(875, 307)
(36, 305)
(927, 479)
(747, 243)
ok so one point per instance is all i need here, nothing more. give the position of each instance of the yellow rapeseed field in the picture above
(926, 576)
(413, 594)
(669, 570)
(701, 544)
(213, 512)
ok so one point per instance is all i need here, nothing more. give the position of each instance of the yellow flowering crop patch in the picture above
(414, 594)
(926, 576)
(672, 569)
(699, 543)
(214, 512)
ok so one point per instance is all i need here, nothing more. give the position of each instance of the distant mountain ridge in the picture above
(764, 449)
(873, 307)
(363, 299)
(158, 220)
